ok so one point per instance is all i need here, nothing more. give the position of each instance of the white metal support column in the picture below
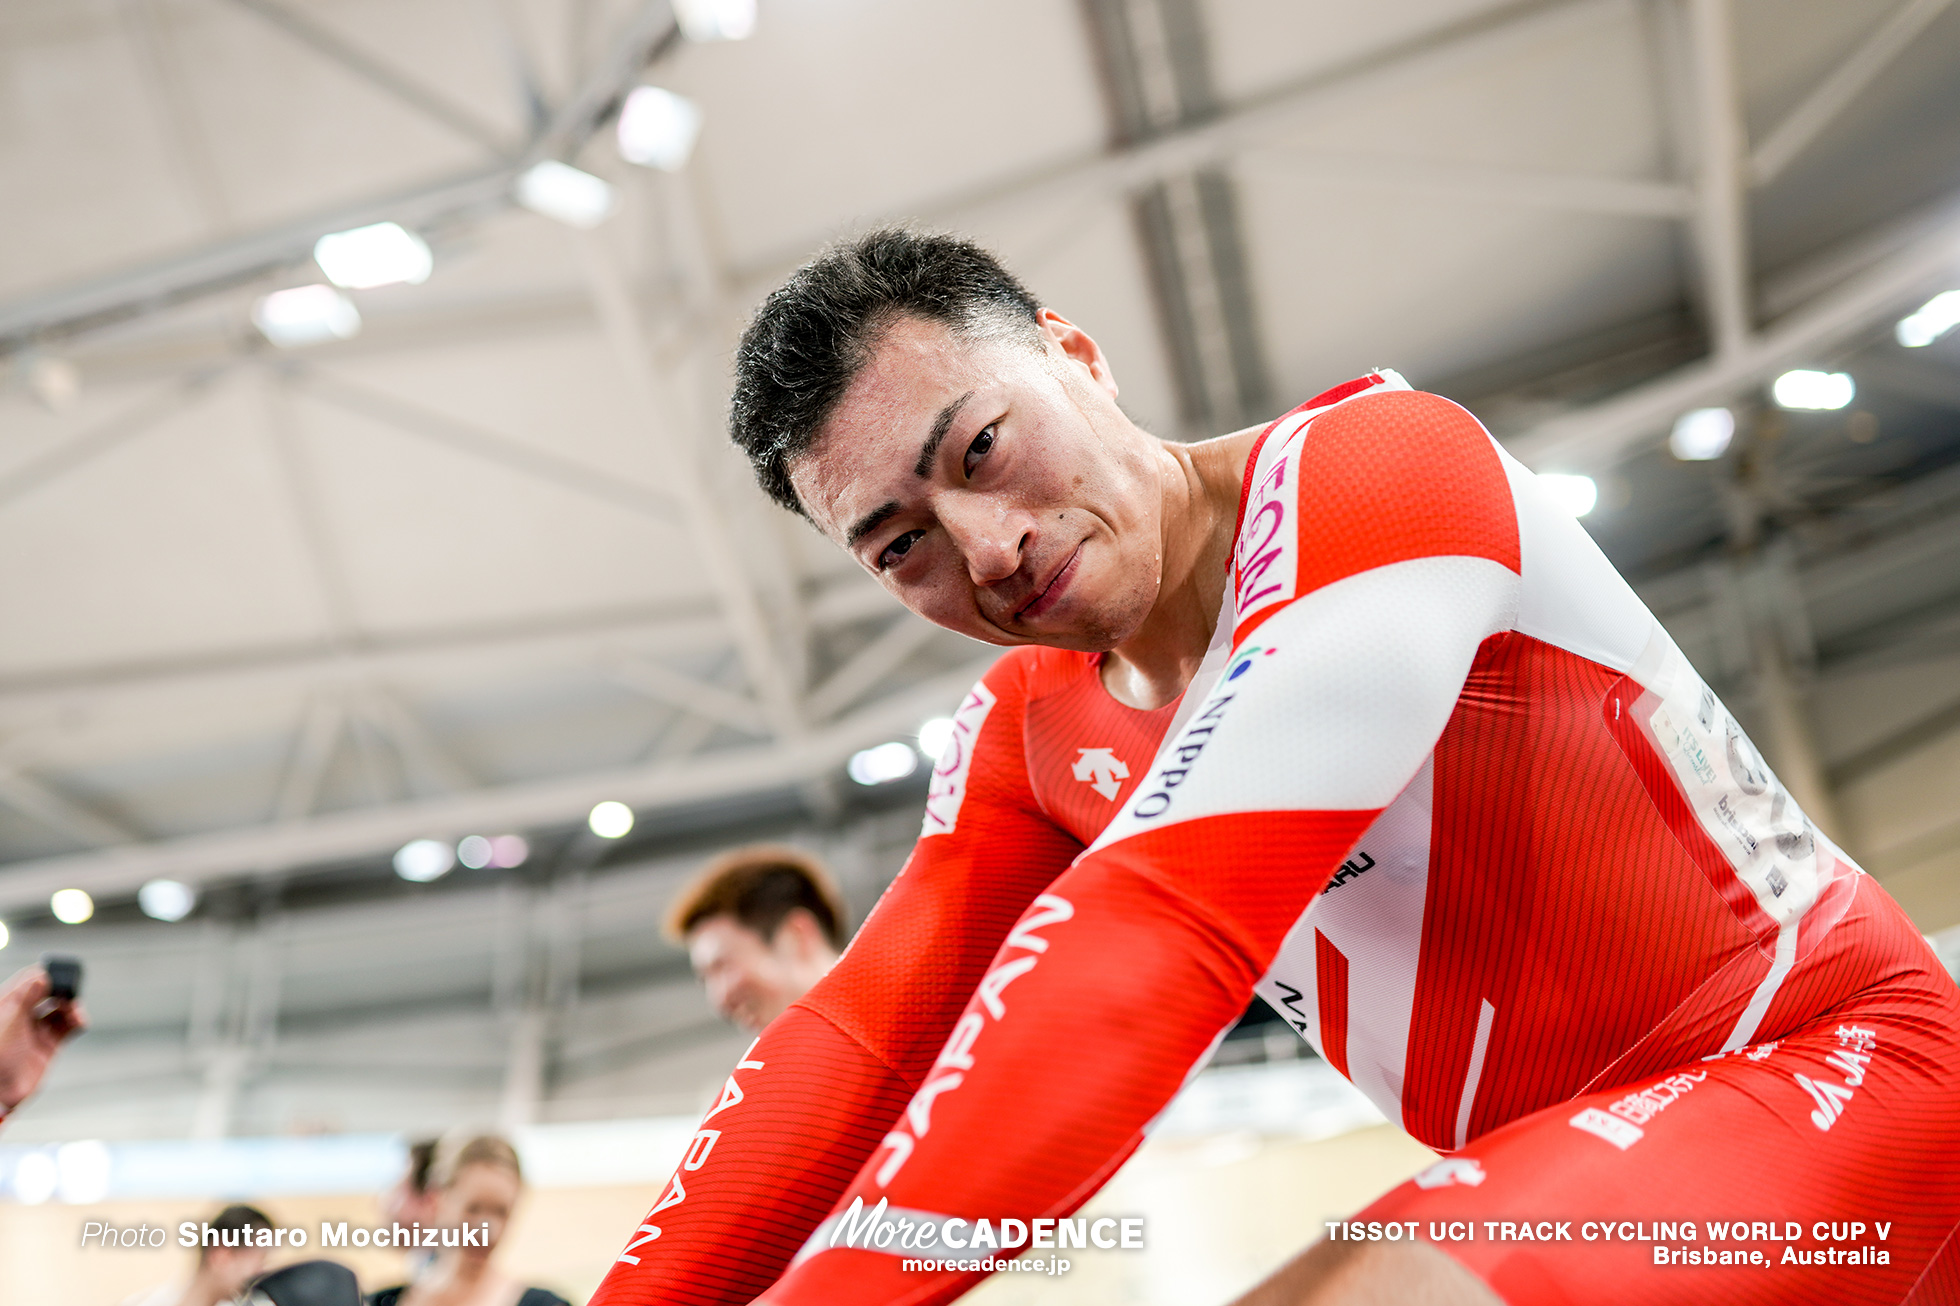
(664, 425)
(1720, 220)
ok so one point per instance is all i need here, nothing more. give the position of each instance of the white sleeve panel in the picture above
(1572, 597)
(1333, 703)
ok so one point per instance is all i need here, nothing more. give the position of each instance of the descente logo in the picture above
(1179, 758)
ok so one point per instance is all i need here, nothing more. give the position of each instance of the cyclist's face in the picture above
(995, 488)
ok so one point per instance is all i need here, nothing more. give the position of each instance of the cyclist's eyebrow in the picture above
(941, 424)
(870, 521)
(927, 451)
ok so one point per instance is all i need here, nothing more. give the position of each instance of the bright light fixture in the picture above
(71, 906)
(657, 129)
(378, 255)
(1933, 319)
(715, 20)
(558, 190)
(883, 764)
(1575, 494)
(1702, 435)
(1817, 390)
(422, 860)
(56, 382)
(82, 1172)
(3, 934)
(610, 820)
(35, 1177)
(306, 315)
(166, 900)
(934, 735)
(477, 851)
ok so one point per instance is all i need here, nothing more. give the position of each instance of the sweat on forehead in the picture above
(891, 423)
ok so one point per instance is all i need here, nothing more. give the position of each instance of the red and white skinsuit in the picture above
(1455, 805)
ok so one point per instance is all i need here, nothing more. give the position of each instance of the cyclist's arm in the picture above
(817, 1092)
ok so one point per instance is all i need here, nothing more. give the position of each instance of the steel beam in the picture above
(883, 655)
(586, 639)
(1599, 435)
(86, 826)
(430, 104)
(1720, 222)
(1845, 83)
(488, 446)
(665, 424)
(1262, 120)
(687, 693)
(184, 136)
(204, 858)
(106, 436)
(237, 261)
(1573, 192)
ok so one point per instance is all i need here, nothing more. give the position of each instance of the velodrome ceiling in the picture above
(269, 613)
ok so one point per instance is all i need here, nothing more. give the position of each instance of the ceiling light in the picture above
(71, 906)
(508, 850)
(34, 1179)
(883, 764)
(1934, 318)
(934, 735)
(82, 1172)
(422, 860)
(558, 190)
(3, 934)
(715, 20)
(56, 382)
(475, 852)
(657, 129)
(166, 900)
(306, 315)
(378, 255)
(1702, 435)
(1575, 494)
(610, 820)
(1817, 390)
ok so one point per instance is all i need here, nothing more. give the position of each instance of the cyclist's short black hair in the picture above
(809, 338)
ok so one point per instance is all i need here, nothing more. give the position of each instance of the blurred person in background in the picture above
(222, 1272)
(476, 1180)
(32, 1029)
(761, 925)
(413, 1199)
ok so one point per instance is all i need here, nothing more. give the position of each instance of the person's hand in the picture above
(32, 1027)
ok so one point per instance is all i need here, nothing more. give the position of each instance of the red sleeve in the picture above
(813, 1096)
(1377, 549)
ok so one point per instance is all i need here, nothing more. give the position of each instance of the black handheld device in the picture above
(64, 976)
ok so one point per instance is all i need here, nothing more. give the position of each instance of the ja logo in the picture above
(1101, 770)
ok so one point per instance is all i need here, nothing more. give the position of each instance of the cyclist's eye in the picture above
(895, 551)
(982, 444)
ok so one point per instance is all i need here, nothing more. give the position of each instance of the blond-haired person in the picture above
(478, 1182)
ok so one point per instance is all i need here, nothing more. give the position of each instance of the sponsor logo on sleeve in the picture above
(1854, 1052)
(1266, 554)
(1175, 762)
(949, 774)
(1620, 1133)
(1452, 1170)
